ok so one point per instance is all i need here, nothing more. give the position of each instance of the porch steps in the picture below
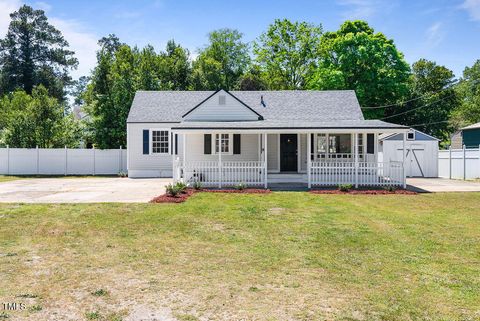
(287, 178)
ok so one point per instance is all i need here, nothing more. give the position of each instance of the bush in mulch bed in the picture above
(179, 198)
(364, 191)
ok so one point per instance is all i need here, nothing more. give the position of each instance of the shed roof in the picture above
(473, 126)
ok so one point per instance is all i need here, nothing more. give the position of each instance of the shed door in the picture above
(415, 159)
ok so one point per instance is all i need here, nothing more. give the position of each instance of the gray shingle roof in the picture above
(324, 106)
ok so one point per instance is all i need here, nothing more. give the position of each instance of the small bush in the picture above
(240, 186)
(345, 187)
(122, 174)
(182, 187)
(390, 188)
(197, 185)
(172, 190)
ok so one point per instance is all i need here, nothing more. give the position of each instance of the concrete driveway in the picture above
(82, 190)
(442, 185)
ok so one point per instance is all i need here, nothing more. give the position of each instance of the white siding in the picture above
(140, 165)
(273, 162)
(211, 110)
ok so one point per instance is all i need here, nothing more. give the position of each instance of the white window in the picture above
(160, 141)
(223, 141)
(411, 136)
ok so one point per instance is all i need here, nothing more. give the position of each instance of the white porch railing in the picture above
(368, 173)
(214, 173)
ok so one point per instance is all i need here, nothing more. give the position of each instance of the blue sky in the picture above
(446, 31)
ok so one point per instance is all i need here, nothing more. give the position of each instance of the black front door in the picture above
(288, 152)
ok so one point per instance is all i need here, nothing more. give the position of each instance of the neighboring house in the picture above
(421, 156)
(257, 137)
(468, 136)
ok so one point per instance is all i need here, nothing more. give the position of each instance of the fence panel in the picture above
(61, 161)
(459, 163)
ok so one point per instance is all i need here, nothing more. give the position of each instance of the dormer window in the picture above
(221, 99)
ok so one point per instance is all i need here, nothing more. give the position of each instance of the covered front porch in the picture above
(316, 158)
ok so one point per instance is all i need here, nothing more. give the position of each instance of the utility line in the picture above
(416, 108)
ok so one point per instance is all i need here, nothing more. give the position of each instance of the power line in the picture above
(416, 108)
(433, 123)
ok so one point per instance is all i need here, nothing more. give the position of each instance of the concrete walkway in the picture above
(82, 190)
(442, 185)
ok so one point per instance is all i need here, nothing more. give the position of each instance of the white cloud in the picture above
(6, 8)
(359, 9)
(434, 34)
(473, 8)
(83, 42)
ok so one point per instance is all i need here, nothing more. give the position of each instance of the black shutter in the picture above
(312, 147)
(172, 137)
(370, 143)
(176, 144)
(146, 142)
(236, 144)
(207, 143)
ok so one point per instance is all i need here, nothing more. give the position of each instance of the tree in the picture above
(468, 111)
(357, 58)
(35, 53)
(252, 80)
(37, 120)
(175, 68)
(222, 62)
(287, 52)
(432, 99)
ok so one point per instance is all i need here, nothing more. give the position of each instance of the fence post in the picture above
(38, 160)
(450, 162)
(66, 160)
(8, 160)
(120, 160)
(464, 163)
(93, 149)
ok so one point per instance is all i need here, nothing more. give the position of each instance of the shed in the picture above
(471, 136)
(421, 152)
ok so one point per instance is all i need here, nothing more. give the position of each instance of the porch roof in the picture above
(290, 125)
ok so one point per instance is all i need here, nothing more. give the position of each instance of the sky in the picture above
(445, 31)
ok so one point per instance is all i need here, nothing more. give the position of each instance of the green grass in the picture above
(279, 256)
(8, 178)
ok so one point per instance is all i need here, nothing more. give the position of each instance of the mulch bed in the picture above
(182, 197)
(364, 192)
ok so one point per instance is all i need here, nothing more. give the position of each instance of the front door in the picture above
(288, 152)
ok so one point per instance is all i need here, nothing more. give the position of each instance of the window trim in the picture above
(169, 140)
(411, 132)
(230, 144)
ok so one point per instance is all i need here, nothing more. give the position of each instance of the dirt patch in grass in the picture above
(364, 192)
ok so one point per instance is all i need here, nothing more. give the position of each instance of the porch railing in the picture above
(225, 173)
(365, 174)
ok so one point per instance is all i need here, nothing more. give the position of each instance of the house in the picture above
(467, 136)
(421, 159)
(222, 138)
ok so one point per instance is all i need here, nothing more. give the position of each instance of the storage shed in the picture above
(421, 152)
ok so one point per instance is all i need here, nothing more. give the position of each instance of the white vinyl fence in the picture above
(62, 161)
(459, 163)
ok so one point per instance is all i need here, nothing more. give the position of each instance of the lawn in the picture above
(282, 256)
(8, 178)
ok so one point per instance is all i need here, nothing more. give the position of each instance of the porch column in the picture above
(265, 170)
(220, 178)
(174, 166)
(355, 156)
(375, 147)
(309, 159)
(184, 154)
(404, 160)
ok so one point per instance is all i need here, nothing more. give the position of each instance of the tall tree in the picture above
(35, 53)
(253, 79)
(287, 52)
(468, 112)
(355, 57)
(432, 99)
(222, 61)
(175, 68)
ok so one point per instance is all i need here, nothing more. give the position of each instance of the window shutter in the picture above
(146, 142)
(236, 144)
(207, 143)
(312, 147)
(370, 143)
(176, 144)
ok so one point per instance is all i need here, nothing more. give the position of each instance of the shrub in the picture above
(390, 188)
(182, 187)
(197, 185)
(122, 174)
(240, 186)
(345, 187)
(172, 190)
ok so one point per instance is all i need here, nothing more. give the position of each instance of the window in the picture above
(223, 141)
(221, 100)
(160, 141)
(411, 136)
(321, 143)
(340, 143)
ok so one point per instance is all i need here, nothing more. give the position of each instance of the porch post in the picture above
(404, 160)
(265, 159)
(355, 155)
(309, 159)
(375, 148)
(220, 178)
(174, 165)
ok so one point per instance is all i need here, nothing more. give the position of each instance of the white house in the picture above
(223, 138)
